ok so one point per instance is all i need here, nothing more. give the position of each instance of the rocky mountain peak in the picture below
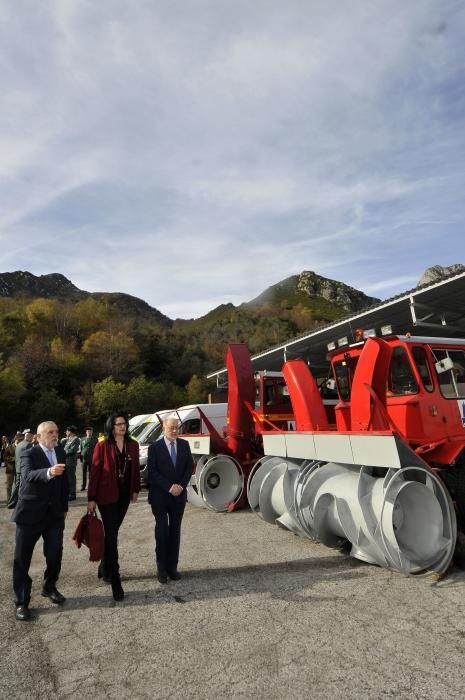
(338, 293)
(438, 273)
(26, 284)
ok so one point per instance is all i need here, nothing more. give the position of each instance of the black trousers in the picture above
(112, 518)
(27, 536)
(85, 469)
(70, 472)
(168, 517)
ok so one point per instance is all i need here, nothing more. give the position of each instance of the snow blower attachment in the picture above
(378, 479)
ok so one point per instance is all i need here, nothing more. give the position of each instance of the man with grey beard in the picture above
(40, 512)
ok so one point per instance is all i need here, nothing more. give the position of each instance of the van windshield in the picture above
(151, 434)
(138, 430)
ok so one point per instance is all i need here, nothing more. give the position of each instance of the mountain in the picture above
(25, 284)
(438, 273)
(56, 286)
(295, 305)
(69, 359)
(318, 298)
(315, 299)
(73, 349)
(318, 293)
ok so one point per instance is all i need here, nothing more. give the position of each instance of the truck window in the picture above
(344, 372)
(452, 382)
(458, 358)
(421, 362)
(401, 380)
(268, 392)
(283, 394)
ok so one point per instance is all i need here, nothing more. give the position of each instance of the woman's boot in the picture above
(117, 588)
(103, 573)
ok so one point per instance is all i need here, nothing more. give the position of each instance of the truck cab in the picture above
(420, 381)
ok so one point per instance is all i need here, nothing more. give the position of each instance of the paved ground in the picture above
(259, 613)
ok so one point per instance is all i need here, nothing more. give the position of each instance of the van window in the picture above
(421, 362)
(452, 382)
(190, 427)
(401, 380)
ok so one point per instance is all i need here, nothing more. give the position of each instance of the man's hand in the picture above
(91, 506)
(176, 490)
(57, 469)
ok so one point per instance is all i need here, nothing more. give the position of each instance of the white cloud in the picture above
(404, 281)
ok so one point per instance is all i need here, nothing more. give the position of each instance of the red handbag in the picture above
(89, 531)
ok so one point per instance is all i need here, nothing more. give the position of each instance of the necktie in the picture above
(50, 457)
(173, 453)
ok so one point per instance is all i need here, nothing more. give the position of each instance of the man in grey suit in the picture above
(169, 467)
(40, 512)
(25, 444)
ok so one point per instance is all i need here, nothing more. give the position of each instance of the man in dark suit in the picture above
(169, 467)
(40, 512)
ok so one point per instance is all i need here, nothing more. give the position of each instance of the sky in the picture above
(195, 152)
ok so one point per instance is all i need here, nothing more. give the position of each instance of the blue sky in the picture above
(195, 152)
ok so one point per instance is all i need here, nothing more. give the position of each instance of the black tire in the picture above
(453, 477)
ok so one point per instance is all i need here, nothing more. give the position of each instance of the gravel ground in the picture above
(259, 613)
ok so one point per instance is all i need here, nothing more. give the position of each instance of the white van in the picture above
(137, 424)
(152, 421)
(190, 422)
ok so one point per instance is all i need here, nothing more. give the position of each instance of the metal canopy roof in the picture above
(436, 309)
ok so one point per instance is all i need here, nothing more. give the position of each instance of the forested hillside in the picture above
(75, 356)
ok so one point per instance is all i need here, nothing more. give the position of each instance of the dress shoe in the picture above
(117, 589)
(83, 488)
(72, 498)
(162, 577)
(54, 595)
(174, 575)
(22, 613)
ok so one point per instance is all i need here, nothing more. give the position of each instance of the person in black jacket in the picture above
(169, 470)
(40, 512)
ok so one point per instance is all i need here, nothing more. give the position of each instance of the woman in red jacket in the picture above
(114, 482)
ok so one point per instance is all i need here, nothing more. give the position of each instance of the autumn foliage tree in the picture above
(12, 390)
(114, 354)
(109, 396)
(196, 390)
